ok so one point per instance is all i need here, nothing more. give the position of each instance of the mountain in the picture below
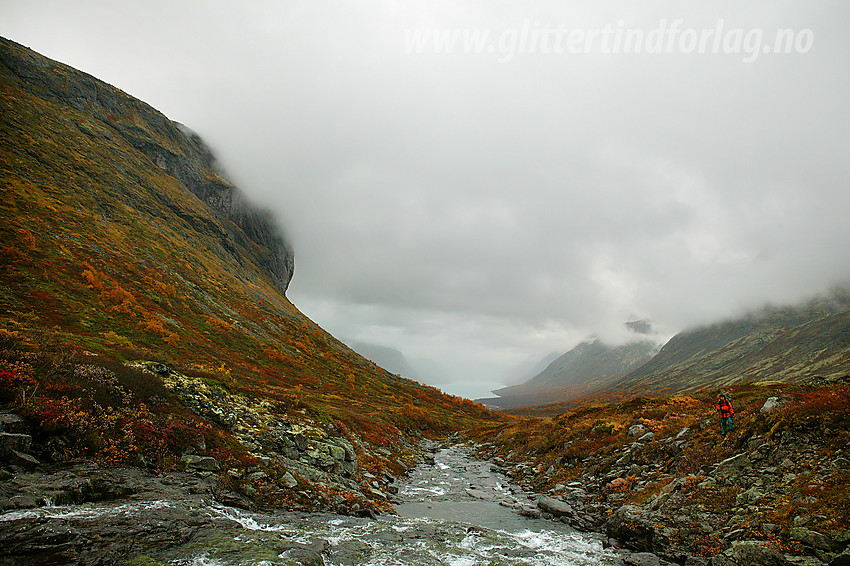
(527, 369)
(805, 343)
(143, 320)
(588, 367)
(798, 343)
(388, 358)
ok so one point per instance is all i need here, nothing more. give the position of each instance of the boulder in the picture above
(750, 553)
(554, 507)
(201, 463)
(812, 538)
(289, 480)
(23, 460)
(10, 422)
(632, 527)
(641, 559)
(770, 404)
(14, 442)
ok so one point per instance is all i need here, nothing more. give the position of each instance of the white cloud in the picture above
(476, 212)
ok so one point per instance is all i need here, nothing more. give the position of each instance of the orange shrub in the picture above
(219, 325)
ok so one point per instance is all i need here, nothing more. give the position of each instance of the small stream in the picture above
(454, 512)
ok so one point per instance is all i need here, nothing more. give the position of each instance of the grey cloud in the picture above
(477, 213)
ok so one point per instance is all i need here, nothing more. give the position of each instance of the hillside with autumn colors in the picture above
(143, 320)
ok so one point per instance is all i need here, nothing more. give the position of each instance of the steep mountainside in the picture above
(143, 320)
(110, 117)
(588, 367)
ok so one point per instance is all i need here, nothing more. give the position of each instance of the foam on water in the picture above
(433, 490)
(83, 511)
(246, 520)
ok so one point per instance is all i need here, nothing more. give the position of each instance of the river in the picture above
(454, 511)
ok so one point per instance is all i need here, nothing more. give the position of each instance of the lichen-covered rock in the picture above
(750, 553)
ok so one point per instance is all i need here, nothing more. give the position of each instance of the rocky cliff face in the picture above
(170, 145)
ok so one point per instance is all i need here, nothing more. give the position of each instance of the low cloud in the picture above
(476, 213)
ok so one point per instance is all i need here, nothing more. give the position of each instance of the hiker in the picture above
(724, 408)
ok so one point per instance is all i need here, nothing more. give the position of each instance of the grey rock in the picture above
(12, 442)
(23, 460)
(201, 463)
(289, 480)
(632, 526)
(637, 430)
(554, 507)
(770, 405)
(812, 538)
(10, 422)
(750, 553)
(642, 559)
(733, 464)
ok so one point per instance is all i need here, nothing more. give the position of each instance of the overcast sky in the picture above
(548, 176)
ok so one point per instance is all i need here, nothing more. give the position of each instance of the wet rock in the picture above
(640, 559)
(479, 494)
(350, 553)
(555, 507)
(303, 555)
(39, 541)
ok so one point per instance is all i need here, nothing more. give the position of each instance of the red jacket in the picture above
(725, 408)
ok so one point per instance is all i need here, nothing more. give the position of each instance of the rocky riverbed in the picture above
(452, 510)
(748, 501)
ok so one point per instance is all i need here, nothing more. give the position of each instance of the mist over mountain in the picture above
(798, 343)
(588, 367)
(388, 358)
(528, 369)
